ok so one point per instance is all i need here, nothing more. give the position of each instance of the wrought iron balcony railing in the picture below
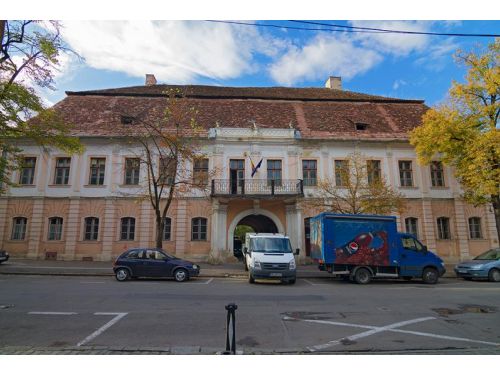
(255, 187)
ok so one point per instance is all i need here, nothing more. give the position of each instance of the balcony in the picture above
(257, 188)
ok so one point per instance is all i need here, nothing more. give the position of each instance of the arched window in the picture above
(55, 228)
(475, 228)
(91, 230)
(167, 228)
(443, 224)
(19, 228)
(199, 229)
(411, 226)
(127, 229)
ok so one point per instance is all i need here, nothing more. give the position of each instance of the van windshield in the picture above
(270, 245)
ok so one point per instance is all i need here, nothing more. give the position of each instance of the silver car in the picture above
(484, 266)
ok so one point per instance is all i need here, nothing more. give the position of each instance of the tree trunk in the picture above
(495, 200)
(159, 231)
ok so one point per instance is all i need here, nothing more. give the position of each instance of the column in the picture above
(145, 226)
(35, 227)
(490, 228)
(294, 228)
(428, 224)
(3, 220)
(462, 228)
(181, 228)
(72, 224)
(218, 229)
(108, 230)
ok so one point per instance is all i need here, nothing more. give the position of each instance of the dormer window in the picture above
(361, 126)
(127, 120)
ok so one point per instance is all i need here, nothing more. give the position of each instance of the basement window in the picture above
(361, 126)
(127, 120)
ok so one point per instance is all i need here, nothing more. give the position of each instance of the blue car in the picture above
(484, 266)
(154, 263)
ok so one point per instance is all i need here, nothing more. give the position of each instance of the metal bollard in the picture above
(231, 346)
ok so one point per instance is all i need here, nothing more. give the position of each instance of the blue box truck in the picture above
(362, 247)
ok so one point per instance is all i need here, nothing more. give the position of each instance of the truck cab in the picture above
(414, 258)
(269, 256)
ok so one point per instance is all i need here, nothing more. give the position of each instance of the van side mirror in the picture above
(297, 251)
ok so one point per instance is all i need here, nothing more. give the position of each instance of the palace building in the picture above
(82, 206)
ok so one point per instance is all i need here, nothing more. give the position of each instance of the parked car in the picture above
(4, 256)
(484, 266)
(153, 263)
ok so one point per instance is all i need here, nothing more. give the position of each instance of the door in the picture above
(412, 257)
(236, 175)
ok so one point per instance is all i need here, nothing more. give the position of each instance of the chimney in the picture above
(150, 80)
(334, 83)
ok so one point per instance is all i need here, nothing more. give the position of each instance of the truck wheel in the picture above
(494, 275)
(362, 276)
(251, 280)
(430, 275)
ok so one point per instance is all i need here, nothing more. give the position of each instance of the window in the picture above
(410, 244)
(55, 228)
(132, 170)
(27, 175)
(167, 228)
(475, 228)
(341, 172)
(437, 174)
(135, 254)
(167, 171)
(97, 170)
(443, 224)
(127, 229)
(309, 172)
(199, 229)
(154, 255)
(19, 228)
(361, 126)
(374, 171)
(274, 172)
(411, 225)
(91, 229)
(200, 172)
(237, 170)
(61, 175)
(405, 173)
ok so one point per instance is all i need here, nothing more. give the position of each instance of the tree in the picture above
(28, 58)
(166, 147)
(358, 188)
(464, 132)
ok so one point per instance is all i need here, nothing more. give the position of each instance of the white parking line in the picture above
(103, 328)
(51, 313)
(208, 282)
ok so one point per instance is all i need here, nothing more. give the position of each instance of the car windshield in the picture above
(493, 254)
(270, 245)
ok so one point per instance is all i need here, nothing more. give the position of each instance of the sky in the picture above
(120, 53)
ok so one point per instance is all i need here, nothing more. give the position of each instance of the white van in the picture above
(269, 256)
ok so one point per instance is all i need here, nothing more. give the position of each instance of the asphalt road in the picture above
(311, 316)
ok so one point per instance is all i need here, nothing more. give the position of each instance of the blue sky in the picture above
(120, 53)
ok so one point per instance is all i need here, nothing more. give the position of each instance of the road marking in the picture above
(103, 328)
(369, 333)
(207, 282)
(390, 328)
(51, 313)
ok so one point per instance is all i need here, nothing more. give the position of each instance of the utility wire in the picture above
(351, 29)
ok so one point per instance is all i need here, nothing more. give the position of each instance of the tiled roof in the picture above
(316, 112)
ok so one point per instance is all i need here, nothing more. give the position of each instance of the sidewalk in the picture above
(82, 268)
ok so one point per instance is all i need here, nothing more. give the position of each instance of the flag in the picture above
(256, 167)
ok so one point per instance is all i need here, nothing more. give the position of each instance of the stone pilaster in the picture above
(294, 228)
(145, 232)
(462, 228)
(3, 220)
(108, 230)
(181, 228)
(34, 230)
(218, 228)
(72, 225)
(428, 224)
(490, 228)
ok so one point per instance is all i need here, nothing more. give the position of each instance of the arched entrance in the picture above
(256, 220)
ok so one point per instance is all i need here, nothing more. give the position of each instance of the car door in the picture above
(153, 264)
(164, 265)
(412, 257)
(133, 260)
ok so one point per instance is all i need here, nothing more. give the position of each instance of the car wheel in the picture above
(362, 276)
(430, 276)
(251, 280)
(181, 275)
(122, 274)
(494, 275)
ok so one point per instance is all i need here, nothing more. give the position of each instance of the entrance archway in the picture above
(261, 221)
(253, 224)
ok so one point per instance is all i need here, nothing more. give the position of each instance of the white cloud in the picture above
(396, 44)
(175, 51)
(323, 56)
(438, 55)
(398, 83)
